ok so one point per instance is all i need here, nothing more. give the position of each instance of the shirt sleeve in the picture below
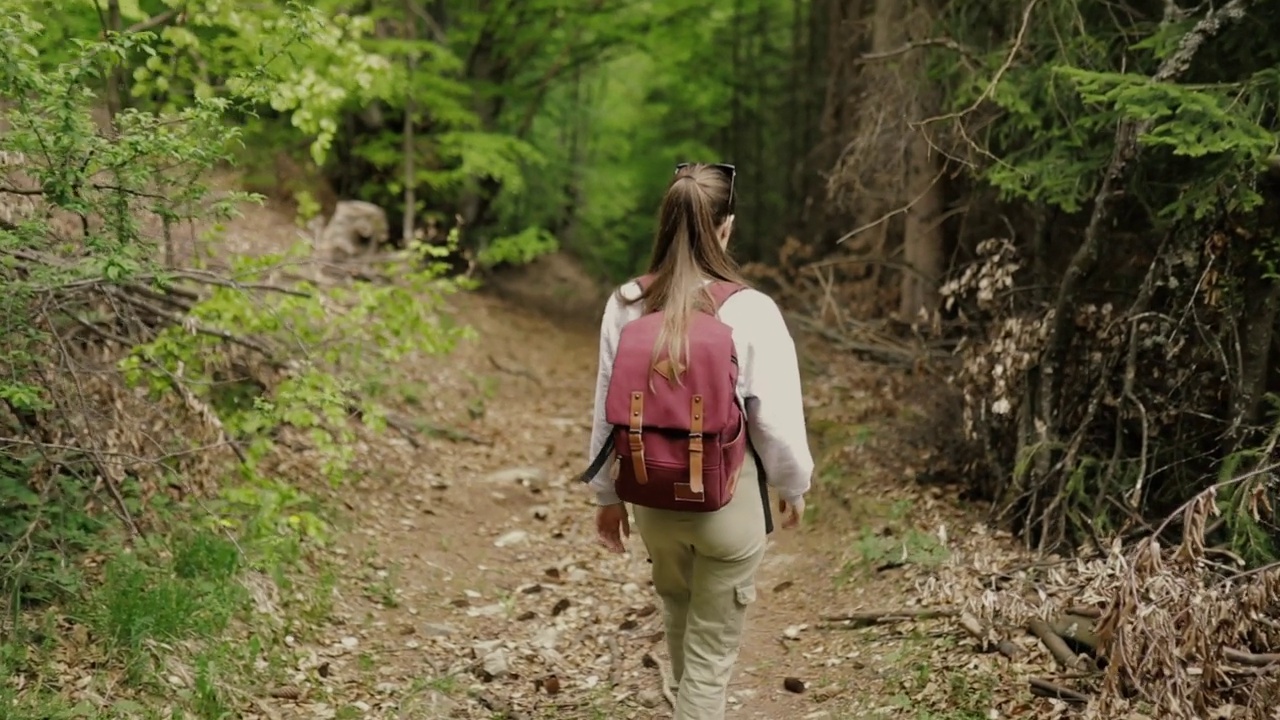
(602, 483)
(775, 403)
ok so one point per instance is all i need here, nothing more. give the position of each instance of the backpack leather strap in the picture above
(635, 440)
(695, 446)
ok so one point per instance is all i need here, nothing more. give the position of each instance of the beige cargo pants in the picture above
(704, 568)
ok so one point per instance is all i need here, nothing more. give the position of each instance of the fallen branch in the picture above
(1251, 659)
(406, 425)
(652, 660)
(520, 372)
(1043, 688)
(1085, 611)
(881, 351)
(983, 634)
(615, 661)
(873, 617)
(1056, 646)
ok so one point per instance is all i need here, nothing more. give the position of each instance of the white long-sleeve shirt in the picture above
(768, 384)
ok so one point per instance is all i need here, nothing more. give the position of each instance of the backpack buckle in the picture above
(695, 446)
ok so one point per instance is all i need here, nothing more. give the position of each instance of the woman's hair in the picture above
(686, 252)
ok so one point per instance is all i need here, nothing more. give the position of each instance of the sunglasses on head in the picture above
(729, 172)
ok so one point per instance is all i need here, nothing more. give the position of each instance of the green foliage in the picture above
(612, 132)
(914, 547)
(560, 117)
(312, 347)
(1053, 135)
(88, 285)
(140, 601)
(517, 249)
(346, 334)
(1218, 126)
(82, 229)
(181, 603)
(291, 57)
(1248, 509)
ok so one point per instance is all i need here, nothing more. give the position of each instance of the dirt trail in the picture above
(472, 586)
(474, 572)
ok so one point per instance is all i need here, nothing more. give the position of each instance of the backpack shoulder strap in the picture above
(722, 290)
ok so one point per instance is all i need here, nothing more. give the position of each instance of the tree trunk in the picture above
(115, 78)
(410, 199)
(923, 239)
(1256, 330)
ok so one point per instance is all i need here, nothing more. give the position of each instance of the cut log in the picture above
(1085, 611)
(1063, 654)
(983, 635)
(1077, 629)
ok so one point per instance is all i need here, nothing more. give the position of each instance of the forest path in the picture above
(476, 589)
(471, 585)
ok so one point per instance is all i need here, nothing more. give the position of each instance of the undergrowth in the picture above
(917, 686)
(187, 621)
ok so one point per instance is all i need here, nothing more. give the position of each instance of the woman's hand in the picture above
(792, 512)
(612, 525)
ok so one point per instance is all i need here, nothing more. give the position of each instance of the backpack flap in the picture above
(678, 427)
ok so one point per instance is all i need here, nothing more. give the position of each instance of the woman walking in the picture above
(698, 393)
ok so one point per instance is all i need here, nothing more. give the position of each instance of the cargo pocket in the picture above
(744, 595)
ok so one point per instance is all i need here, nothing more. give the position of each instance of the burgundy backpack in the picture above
(679, 446)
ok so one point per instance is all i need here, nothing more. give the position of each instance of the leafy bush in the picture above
(96, 304)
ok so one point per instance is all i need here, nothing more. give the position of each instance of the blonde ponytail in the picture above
(687, 252)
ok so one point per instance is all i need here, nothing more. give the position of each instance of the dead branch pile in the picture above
(77, 312)
(1155, 394)
(839, 297)
(1148, 629)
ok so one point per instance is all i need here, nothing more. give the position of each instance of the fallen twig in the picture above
(518, 371)
(1043, 688)
(615, 661)
(1251, 659)
(652, 660)
(872, 617)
